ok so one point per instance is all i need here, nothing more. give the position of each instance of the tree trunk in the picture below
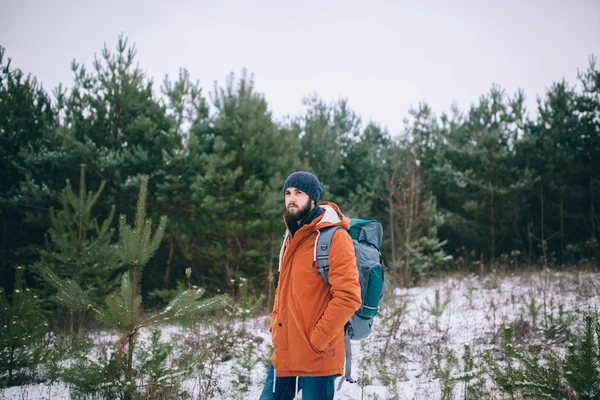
(228, 250)
(392, 229)
(116, 122)
(390, 200)
(11, 364)
(130, 356)
(493, 226)
(271, 277)
(131, 384)
(410, 218)
(80, 238)
(3, 273)
(515, 219)
(592, 210)
(431, 216)
(80, 211)
(170, 258)
(542, 224)
(131, 342)
(529, 241)
(562, 227)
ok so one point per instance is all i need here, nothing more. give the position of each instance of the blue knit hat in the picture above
(306, 182)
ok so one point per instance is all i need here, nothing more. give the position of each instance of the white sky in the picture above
(384, 56)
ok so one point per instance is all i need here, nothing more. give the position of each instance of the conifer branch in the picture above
(69, 293)
(96, 195)
(187, 305)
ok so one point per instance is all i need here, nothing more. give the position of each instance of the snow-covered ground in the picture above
(420, 326)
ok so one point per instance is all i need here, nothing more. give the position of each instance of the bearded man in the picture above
(309, 315)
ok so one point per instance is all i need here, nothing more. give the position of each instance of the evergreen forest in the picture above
(126, 201)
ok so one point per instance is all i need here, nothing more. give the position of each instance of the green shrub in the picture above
(22, 329)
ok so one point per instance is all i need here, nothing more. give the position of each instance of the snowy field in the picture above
(408, 351)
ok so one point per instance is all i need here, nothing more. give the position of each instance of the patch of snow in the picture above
(397, 357)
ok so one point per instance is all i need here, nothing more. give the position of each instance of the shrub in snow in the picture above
(22, 329)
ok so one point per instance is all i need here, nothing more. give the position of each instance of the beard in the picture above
(299, 213)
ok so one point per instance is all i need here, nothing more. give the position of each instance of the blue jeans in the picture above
(313, 387)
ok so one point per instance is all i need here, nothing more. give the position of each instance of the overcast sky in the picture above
(383, 56)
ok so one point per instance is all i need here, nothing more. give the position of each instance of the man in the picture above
(309, 315)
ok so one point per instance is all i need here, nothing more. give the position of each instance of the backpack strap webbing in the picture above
(322, 254)
(348, 368)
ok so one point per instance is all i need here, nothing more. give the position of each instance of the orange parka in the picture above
(309, 315)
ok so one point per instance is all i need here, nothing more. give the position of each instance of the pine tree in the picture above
(479, 175)
(588, 107)
(550, 150)
(327, 133)
(364, 171)
(541, 379)
(582, 365)
(412, 218)
(427, 134)
(33, 166)
(504, 371)
(241, 159)
(78, 247)
(137, 244)
(112, 121)
(23, 328)
(188, 109)
(546, 375)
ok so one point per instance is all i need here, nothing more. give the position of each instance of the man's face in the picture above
(297, 204)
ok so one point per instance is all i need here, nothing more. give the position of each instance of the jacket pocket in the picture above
(315, 350)
(316, 344)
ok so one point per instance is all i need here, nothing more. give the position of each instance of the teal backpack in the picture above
(366, 236)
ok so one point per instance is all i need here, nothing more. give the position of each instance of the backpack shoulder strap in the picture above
(282, 248)
(322, 244)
